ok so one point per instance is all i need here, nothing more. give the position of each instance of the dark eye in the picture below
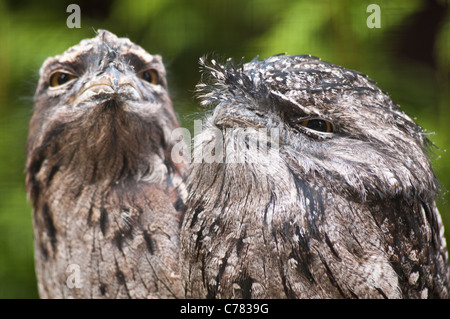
(318, 125)
(150, 76)
(60, 78)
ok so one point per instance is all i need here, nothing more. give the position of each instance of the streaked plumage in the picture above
(344, 208)
(107, 196)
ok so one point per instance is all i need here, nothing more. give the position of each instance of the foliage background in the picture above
(408, 56)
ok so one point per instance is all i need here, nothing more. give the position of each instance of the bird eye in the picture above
(60, 78)
(150, 76)
(318, 125)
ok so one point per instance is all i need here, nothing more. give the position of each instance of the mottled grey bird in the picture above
(338, 201)
(107, 196)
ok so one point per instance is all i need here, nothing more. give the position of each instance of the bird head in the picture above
(335, 128)
(103, 105)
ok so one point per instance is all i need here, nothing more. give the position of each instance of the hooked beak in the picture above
(109, 84)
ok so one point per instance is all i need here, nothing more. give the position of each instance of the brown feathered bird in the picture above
(107, 196)
(308, 181)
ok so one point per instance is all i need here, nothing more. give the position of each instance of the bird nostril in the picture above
(111, 55)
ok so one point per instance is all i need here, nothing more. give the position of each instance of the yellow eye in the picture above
(60, 78)
(150, 76)
(318, 125)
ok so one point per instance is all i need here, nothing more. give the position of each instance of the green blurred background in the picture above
(408, 56)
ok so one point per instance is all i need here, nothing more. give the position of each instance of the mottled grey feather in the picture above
(348, 213)
(107, 197)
